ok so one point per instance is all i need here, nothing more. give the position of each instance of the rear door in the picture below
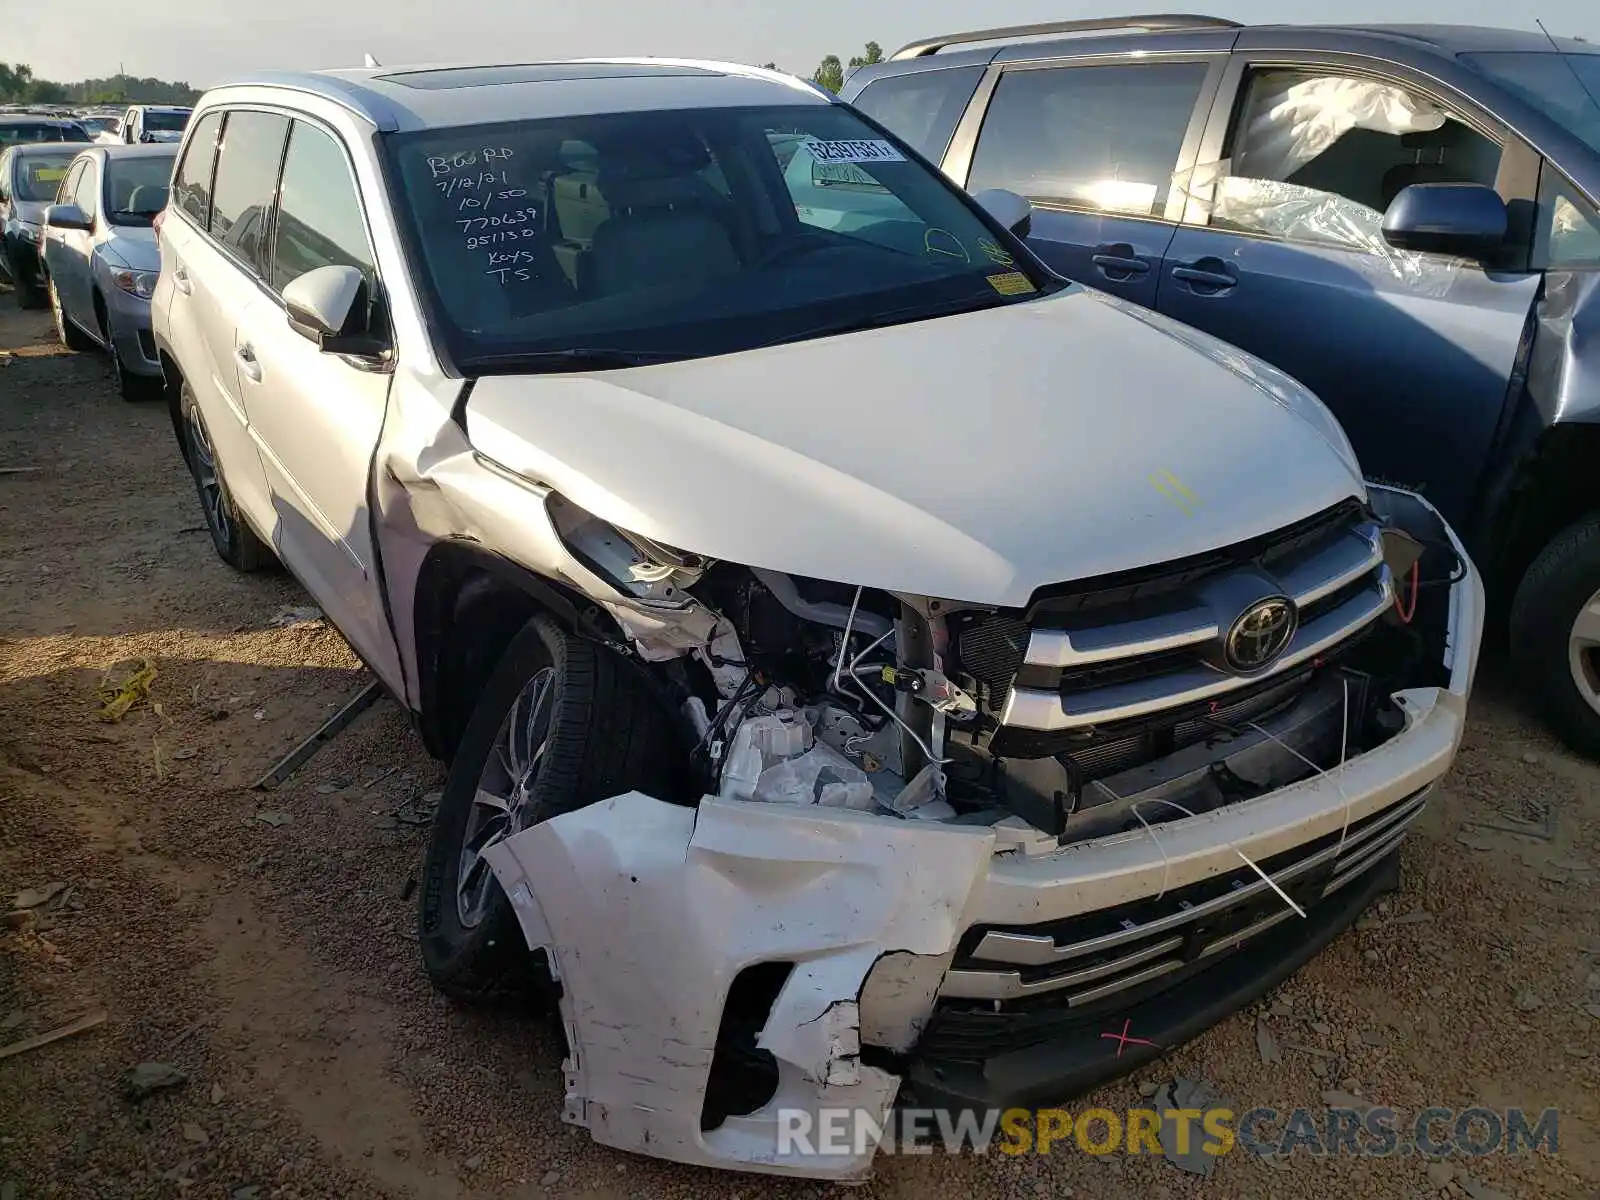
(1100, 145)
(210, 246)
(315, 416)
(1282, 253)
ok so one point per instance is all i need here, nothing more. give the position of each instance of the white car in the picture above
(153, 123)
(870, 666)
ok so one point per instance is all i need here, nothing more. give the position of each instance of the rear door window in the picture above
(923, 107)
(191, 184)
(246, 180)
(320, 222)
(1103, 138)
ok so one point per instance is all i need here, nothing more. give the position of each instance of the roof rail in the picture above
(1151, 22)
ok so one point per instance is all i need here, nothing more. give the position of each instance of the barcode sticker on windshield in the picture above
(854, 152)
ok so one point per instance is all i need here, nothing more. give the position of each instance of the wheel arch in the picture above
(1548, 487)
(469, 603)
(172, 380)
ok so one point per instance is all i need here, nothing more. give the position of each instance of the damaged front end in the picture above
(942, 848)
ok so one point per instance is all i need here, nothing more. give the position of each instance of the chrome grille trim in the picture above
(1308, 578)
(1162, 937)
(1050, 711)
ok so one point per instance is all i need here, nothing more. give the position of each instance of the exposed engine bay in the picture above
(803, 691)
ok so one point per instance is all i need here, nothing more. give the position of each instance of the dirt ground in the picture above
(263, 943)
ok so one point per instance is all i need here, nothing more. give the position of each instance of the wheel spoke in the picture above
(487, 799)
(1586, 629)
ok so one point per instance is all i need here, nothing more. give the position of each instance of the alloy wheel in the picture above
(1583, 651)
(203, 462)
(503, 802)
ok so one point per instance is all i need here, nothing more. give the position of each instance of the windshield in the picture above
(1564, 87)
(136, 188)
(165, 122)
(686, 233)
(40, 175)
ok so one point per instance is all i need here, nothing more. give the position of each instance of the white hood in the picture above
(974, 457)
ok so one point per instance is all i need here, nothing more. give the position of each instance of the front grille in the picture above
(1087, 669)
(1084, 960)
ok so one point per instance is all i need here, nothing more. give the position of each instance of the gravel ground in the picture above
(263, 944)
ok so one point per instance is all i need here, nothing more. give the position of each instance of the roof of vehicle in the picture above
(28, 149)
(439, 96)
(1028, 41)
(117, 151)
(162, 107)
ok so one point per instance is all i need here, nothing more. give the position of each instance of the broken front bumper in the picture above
(899, 934)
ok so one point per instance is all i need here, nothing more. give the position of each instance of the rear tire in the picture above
(561, 724)
(1555, 634)
(67, 333)
(236, 543)
(28, 295)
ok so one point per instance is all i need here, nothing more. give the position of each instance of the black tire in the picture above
(27, 294)
(1562, 580)
(70, 335)
(607, 734)
(236, 543)
(135, 389)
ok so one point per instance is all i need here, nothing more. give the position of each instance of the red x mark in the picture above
(1124, 1041)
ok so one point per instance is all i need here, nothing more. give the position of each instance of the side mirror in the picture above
(1010, 209)
(66, 216)
(1466, 219)
(328, 306)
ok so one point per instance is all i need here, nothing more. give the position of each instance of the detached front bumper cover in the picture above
(649, 911)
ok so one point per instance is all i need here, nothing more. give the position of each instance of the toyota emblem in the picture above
(1260, 634)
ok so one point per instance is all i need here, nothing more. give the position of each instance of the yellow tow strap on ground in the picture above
(117, 698)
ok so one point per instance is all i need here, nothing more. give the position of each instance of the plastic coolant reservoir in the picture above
(758, 744)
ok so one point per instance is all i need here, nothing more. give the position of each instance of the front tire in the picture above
(561, 724)
(236, 543)
(27, 294)
(67, 333)
(1555, 634)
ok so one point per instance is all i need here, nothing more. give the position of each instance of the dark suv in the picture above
(1402, 217)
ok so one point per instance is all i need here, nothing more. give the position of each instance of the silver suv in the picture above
(869, 664)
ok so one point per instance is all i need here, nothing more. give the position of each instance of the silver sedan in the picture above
(101, 260)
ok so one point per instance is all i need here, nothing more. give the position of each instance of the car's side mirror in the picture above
(329, 306)
(1466, 219)
(66, 216)
(1010, 209)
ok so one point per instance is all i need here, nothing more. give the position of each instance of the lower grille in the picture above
(1086, 959)
(147, 345)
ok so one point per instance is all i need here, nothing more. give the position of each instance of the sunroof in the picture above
(442, 78)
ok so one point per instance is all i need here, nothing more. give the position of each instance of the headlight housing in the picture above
(652, 572)
(136, 283)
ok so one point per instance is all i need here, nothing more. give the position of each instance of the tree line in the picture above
(831, 73)
(19, 85)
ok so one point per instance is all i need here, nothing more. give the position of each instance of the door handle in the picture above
(1212, 274)
(248, 366)
(180, 280)
(1111, 265)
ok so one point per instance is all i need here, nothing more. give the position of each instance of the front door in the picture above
(317, 416)
(70, 249)
(1098, 150)
(1284, 256)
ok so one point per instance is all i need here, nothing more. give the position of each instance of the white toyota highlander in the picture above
(871, 667)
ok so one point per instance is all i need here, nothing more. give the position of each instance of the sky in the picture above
(207, 41)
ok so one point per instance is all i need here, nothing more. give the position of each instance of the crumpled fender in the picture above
(648, 911)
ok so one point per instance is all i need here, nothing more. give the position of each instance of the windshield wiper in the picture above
(579, 358)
